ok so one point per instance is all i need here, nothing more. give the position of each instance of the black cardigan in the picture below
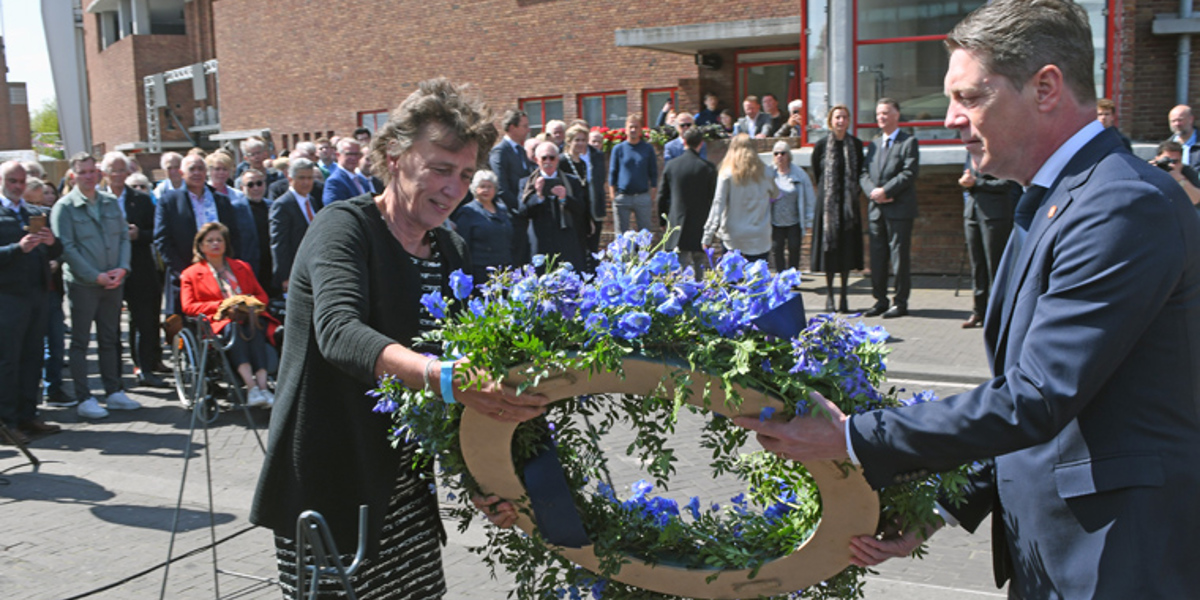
(354, 290)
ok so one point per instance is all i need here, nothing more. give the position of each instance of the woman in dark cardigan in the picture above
(837, 221)
(353, 312)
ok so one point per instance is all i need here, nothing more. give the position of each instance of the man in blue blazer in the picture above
(176, 223)
(1093, 417)
(289, 218)
(509, 162)
(344, 182)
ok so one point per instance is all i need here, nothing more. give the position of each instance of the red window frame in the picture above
(521, 102)
(799, 87)
(674, 91)
(372, 113)
(603, 104)
(1111, 61)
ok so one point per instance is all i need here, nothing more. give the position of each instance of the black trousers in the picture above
(891, 246)
(22, 329)
(788, 237)
(985, 245)
(144, 303)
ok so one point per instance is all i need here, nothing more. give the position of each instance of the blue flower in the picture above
(732, 266)
(477, 307)
(385, 405)
(920, 397)
(693, 507)
(633, 325)
(671, 308)
(766, 413)
(598, 588)
(435, 304)
(461, 284)
(641, 488)
(635, 295)
(664, 262)
(596, 322)
(539, 260)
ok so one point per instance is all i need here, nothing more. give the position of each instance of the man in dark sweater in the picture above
(632, 172)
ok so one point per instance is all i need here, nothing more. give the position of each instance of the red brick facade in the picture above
(14, 118)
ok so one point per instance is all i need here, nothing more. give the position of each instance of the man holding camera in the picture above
(26, 247)
(1170, 159)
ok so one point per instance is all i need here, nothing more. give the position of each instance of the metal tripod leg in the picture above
(8, 435)
(312, 531)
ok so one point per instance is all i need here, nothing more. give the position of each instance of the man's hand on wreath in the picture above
(820, 435)
(499, 401)
(892, 542)
(501, 513)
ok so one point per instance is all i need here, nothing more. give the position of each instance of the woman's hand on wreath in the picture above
(499, 401)
(501, 513)
(869, 550)
(820, 435)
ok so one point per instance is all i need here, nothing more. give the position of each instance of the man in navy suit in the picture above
(178, 217)
(889, 180)
(290, 216)
(344, 182)
(1093, 417)
(511, 164)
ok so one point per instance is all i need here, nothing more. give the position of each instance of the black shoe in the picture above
(146, 379)
(844, 307)
(876, 310)
(161, 368)
(895, 311)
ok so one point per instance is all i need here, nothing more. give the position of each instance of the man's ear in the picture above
(1048, 86)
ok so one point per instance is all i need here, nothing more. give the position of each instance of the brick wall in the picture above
(14, 118)
(1148, 67)
(272, 78)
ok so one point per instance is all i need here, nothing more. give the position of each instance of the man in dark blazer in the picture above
(1093, 417)
(175, 224)
(754, 122)
(344, 182)
(25, 257)
(988, 205)
(290, 216)
(685, 196)
(279, 188)
(143, 288)
(890, 182)
(511, 164)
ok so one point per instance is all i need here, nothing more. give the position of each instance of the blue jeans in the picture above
(56, 327)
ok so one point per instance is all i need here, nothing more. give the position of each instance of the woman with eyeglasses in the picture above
(837, 226)
(792, 211)
(741, 210)
(220, 169)
(254, 188)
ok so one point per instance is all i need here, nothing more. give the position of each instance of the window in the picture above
(372, 119)
(815, 68)
(775, 72)
(653, 101)
(604, 110)
(900, 54)
(542, 111)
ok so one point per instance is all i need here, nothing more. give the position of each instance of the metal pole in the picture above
(1184, 61)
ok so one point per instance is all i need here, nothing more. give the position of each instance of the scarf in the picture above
(840, 193)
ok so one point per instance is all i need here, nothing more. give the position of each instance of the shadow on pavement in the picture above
(120, 443)
(157, 517)
(47, 487)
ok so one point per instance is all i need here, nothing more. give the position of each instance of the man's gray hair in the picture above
(305, 149)
(7, 167)
(298, 164)
(795, 105)
(344, 144)
(483, 175)
(137, 179)
(167, 157)
(1016, 38)
(251, 144)
(34, 169)
(112, 157)
(32, 184)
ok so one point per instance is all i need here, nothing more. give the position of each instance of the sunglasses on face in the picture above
(140, 186)
(684, 125)
(546, 158)
(255, 183)
(783, 154)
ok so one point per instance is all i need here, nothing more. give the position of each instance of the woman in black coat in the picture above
(837, 221)
(353, 312)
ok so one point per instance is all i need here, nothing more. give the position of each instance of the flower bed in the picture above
(562, 332)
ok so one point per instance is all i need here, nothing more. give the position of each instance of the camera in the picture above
(1164, 163)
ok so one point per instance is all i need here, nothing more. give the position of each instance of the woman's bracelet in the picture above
(448, 382)
(428, 364)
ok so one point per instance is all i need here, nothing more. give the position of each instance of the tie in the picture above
(889, 145)
(308, 210)
(1028, 205)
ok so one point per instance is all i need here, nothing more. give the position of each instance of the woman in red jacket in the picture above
(213, 277)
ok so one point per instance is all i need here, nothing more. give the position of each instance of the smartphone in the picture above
(36, 223)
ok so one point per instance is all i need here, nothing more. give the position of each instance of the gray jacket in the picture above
(90, 247)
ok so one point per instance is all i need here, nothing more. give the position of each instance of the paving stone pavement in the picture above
(95, 519)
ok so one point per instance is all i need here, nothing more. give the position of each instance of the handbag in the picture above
(239, 308)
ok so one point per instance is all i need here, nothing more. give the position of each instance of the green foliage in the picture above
(43, 124)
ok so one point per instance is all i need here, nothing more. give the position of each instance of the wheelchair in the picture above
(203, 373)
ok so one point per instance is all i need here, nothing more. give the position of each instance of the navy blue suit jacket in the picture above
(1093, 416)
(510, 168)
(175, 228)
(288, 226)
(340, 186)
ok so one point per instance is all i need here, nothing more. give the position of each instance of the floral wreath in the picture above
(530, 328)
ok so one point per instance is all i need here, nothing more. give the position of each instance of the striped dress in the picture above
(409, 564)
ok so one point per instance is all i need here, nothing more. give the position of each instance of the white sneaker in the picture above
(91, 409)
(269, 397)
(255, 398)
(119, 401)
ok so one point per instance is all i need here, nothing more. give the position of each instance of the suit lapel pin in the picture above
(1053, 211)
